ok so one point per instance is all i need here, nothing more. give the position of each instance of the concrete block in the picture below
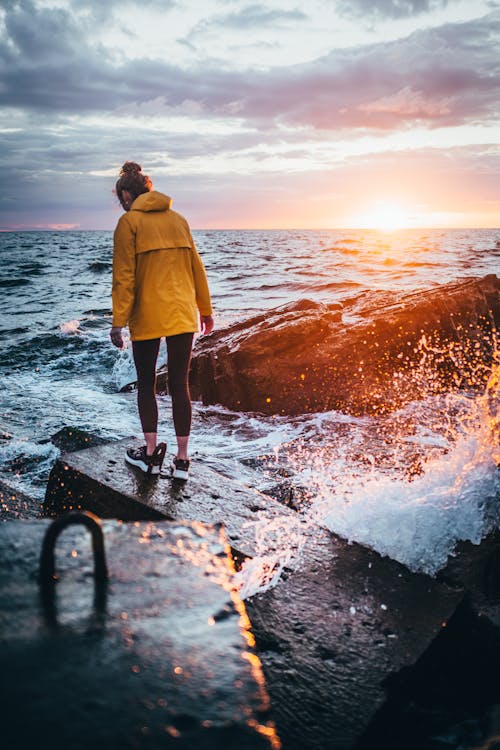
(98, 479)
(161, 658)
(332, 634)
(329, 635)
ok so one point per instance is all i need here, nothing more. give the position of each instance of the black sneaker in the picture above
(148, 464)
(180, 468)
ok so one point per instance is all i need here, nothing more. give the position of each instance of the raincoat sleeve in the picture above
(123, 272)
(200, 283)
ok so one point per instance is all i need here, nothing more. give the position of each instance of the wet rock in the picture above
(16, 504)
(74, 439)
(383, 350)
(449, 698)
(147, 662)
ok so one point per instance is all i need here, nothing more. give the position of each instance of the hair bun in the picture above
(130, 167)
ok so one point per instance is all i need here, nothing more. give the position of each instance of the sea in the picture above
(348, 474)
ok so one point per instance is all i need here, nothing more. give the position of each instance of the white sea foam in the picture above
(70, 327)
(415, 522)
(123, 372)
(411, 498)
(16, 449)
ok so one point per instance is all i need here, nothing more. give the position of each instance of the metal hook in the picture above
(47, 556)
(47, 574)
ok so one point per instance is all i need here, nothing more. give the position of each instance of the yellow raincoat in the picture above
(159, 282)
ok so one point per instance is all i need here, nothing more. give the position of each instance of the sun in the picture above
(386, 216)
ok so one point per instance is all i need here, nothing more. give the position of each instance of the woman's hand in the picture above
(207, 324)
(116, 336)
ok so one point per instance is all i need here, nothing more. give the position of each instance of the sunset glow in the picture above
(386, 217)
(367, 113)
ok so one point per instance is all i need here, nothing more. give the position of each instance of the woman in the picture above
(159, 289)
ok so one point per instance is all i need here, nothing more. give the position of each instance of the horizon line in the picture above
(266, 229)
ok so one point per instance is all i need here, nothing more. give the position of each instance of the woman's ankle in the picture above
(182, 447)
(151, 439)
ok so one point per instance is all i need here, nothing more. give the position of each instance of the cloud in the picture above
(407, 102)
(388, 8)
(441, 76)
(75, 108)
(253, 16)
(448, 180)
(38, 34)
(247, 24)
(104, 9)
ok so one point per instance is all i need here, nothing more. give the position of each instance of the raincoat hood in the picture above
(159, 282)
(152, 201)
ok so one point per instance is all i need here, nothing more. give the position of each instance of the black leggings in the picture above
(179, 356)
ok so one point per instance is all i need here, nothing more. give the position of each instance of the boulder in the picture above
(378, 352)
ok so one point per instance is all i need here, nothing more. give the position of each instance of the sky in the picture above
(272, 114)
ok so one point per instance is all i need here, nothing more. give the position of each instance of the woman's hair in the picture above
(132, 179)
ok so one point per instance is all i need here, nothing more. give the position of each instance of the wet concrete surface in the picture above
(98, 479)
(334, 632)
(159, 657)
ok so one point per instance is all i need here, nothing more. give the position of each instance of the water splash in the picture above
(409, 485)
(123, 372)
(279, 544)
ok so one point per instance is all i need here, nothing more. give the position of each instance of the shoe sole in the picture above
(180, 474)
(142, 466)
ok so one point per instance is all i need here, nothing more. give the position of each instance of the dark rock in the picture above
(74, 439)
(448, 694)
(303, 358)
(16, 504)
(148, 664)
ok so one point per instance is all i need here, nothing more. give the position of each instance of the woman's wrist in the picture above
(207, 324)
(116, 336)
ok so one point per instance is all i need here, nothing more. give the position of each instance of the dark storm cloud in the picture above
(388, 8)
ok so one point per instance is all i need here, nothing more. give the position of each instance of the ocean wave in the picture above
(33, 269)
(99, 266)
(97, 312)
(343, 250)
(332, 286)
(25, 465)
(9, 332)
(5, 283)
(68, 351)
(410, 486)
